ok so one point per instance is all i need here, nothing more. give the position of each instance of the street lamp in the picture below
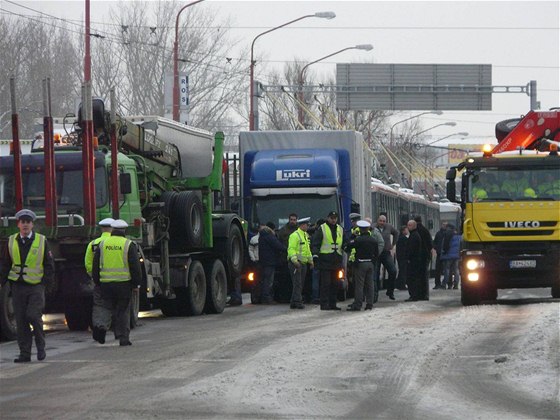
(176, 65)
(323, 15)
(365, 47)
(410, 118)
(462, 134)
(449, 124)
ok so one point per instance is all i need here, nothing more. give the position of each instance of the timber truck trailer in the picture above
(162, 181)
(510, 199)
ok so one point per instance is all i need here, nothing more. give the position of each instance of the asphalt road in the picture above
(414, 360)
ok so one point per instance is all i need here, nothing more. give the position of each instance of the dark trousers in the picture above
(438, 271)
(363, 282)
(424, 284)
(414, 276)
(29, 302)
(267, 280)
(116, 298)
(329, 288)
(387, 260)
(401, 278)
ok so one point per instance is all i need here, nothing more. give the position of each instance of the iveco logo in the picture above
(527, 224)
(293, 175)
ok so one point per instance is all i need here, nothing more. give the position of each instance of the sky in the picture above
(520, 39)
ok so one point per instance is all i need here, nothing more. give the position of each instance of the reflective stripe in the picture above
(33, 264)
(303, 252)
(113, 263)
(90, 250)
(329, 246)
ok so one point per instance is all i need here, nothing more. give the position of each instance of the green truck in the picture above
(168, 178)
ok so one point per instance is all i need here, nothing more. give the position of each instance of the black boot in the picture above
(99, 335)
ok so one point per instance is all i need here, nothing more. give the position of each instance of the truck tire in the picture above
(187, 220)
(503, 128)
(234, 251)
(134, 308)
(469, 295)
(168, 198)
(78, 314)
(216, 288)
(192, 298)
(555, 291)
(168, 307)
(8, 330)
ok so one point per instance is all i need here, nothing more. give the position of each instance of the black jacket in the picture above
(438, 240)
(270, 248)
(401, 248)
(366, 247)
(414, 249)
(426, 237)
(331, 261)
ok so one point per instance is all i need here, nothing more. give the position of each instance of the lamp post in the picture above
(449, 124)
(176, 65)
(462, 133)
(410, 118)
(323, 15)
(365, 47)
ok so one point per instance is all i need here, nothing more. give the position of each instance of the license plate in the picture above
(523, 264)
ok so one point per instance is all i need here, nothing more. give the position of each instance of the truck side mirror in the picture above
(355, 207)
(451, 191)
(125, 183)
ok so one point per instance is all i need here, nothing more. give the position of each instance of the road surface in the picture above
(403, 360)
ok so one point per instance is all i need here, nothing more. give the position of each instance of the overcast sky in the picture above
(520, 39)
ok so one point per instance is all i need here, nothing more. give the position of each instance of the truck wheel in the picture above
(134, 308)
(490, 294)
(8, 328)
(195, 293)
(216, 288)
(234, 251)
(169, 198)
(188, 217)
(556, 288)
(78, 314)
(503, 128)
(169, 307)
(469, 295)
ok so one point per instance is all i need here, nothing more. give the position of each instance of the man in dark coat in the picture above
(438, 243)
(427, 246)
(270, 249)
(401, 258)
(415, 258)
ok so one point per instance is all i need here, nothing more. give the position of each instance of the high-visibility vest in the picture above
(31, 270)
(356, 232)
(298, 247)
(88, 259)
(329, 246)
(113, 259)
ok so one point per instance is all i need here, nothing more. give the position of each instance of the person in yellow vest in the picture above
(28, 264)
(299, 257)
(98, 312)
(354, 232)
(326, 248)
(116, 270)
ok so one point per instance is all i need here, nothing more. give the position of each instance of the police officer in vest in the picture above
(98, 312)
(29, 266)
(366, 253)
(117, 270)
(326, 247)
(299, 256)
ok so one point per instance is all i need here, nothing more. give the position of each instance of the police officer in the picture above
(29, 266)
(366, 251)
(326, 247)
(299, 256)
(354, 233)
(117, 270)
(97, 313)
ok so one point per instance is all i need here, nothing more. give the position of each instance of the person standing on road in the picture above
(299, 257)
(415, 262)
(270, 248)
(427, 245)
(450, 257)
(326, 247)
(438, 243)
(117, 271)
(28, 264)
(390, 236)
(289, 228)
(367, 251)
(401, 258)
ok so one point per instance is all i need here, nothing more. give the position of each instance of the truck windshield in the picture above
(276, 209)
(517, 184)
(69, 187)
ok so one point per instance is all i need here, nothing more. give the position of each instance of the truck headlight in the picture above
(472, 277)
(473, 264)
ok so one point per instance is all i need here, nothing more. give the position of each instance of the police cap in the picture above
(25, 213)
(106, 222)
(303, 220)
(354, 216)
(332, 214)
(363, 224)
(119, 224)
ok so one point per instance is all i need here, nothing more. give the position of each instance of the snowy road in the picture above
(416, 360)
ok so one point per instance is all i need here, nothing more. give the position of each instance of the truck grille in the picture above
(524, 232)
